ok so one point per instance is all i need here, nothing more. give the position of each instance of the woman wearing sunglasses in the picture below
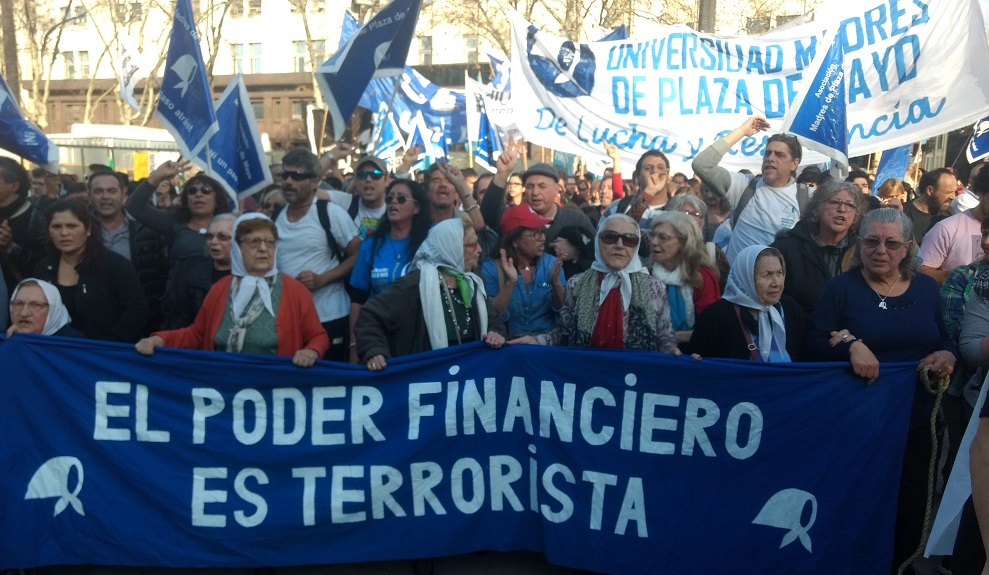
(196, 276)
(616, 304)
(882, 311)
(184, 226)
(387, 253)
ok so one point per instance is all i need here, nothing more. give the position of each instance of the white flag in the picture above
(132, 70)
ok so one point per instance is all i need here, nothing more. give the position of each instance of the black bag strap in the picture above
(803, 197)
(355, 204)
(322, 207)
(753, 350)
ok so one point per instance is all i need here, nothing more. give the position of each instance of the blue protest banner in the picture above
(978, 146)
(609, 461)
(377, 50)
(892, 165)
(237, 159)
(185, 101)
(501, 67)
(386, 136)
(489, 145)
(817, 115)
(21, 137)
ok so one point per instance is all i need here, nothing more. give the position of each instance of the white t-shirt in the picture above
(768, 212)
(302, 246)
(952, 242)
(366, 219)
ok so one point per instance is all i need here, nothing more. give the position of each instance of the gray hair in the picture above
(816, 206)
(908, 266)
(228, 217)
(676, 204)
(617, 217)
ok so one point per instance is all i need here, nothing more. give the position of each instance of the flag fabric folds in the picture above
(892, 165)
(185, 100)
(386, 136)
(21, 137)
(378, 49)
(978, 146)
(132, 69)
(236, 157)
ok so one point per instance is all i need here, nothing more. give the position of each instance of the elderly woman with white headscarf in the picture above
(753, 320)
(255, 309)
(36, 307)
(438, 304)
(616, 304)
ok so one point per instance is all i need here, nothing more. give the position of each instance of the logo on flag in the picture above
(570, 74)
(52, 480)
(978, 146)
(132, 70)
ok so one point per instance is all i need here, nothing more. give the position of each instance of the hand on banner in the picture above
(409, 158)
(305, 357)
(525, 339)
(168, 170)
(147, 345)
(494, 340)
(615, 154)
(508, 267)
(377, 363)
(5, 237)
(864, 363)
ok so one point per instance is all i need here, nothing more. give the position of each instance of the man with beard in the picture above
(956, 240)
(762, 205)
(935, 192)
(144, 248)
(318, 249)
(23, 231)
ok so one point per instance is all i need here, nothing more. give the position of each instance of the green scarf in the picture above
(462, 284)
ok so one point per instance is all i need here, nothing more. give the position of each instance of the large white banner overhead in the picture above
(914, 69)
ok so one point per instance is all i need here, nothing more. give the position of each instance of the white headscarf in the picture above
(58, 316)
(621, 276)
(740, 289)
(444, 249)
(248, 283)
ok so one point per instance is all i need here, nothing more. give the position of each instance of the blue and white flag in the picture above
(978, 146)
(817, 115)
(185, 100)
(430, 148)
(386, 136)
(619, 33)
(132, 69)
(378, 50)
(21, 137)
(501, 66)
(605, 461)
(237, 159)
(892, 165)
(489, 145)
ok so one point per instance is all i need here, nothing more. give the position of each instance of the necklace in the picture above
(882, 299)
(450, 298)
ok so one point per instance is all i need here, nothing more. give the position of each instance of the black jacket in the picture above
(717, 332)
(108, 302)
(807, 268)
(193, 279)
(149, 256)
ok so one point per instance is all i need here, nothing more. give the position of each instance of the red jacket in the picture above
(296, 321)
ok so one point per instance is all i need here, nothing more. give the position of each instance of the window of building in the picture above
(426, 50)
(254, 7)
(73, 113)
(317, 6)
(471, 43)
(258, 108)
(80, 17)
(237, 7)
(83, 63)
(298, 110)
(136, 11)
(71, 72)
(784, 18)
(255, 67)
(301, 57)
(757, 25)
(238, 51)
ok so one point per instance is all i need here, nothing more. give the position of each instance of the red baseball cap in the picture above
(521, 216)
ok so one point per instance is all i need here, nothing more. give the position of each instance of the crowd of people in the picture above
(783, 265)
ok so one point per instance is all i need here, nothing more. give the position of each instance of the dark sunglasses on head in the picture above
(398, 198)
(297, 176)
(194, 190)
(374, 174)
(611, 237)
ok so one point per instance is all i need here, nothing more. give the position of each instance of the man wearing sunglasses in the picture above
(366, 202)
(762, 205)
(317, 249)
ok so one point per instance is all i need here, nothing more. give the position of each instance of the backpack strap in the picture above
(744, 200)
(803, 197)
(355, 204)
(322, 210)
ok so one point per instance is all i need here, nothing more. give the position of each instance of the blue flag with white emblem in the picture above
(185, 100)
(423, 136)
(489, 145)
(21, 137)
(237, 159)
(387, 137)
(978, 146)
(378, 50)
(817, 115)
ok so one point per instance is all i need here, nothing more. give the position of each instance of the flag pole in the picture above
(391, 102)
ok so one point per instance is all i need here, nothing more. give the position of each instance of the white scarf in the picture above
(444, 248)
(58, 316)
(741, 290)
(249, 284)
(613, 277)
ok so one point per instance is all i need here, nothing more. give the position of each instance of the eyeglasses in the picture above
(32, 306)
(694, 214)
(396, 197)
(470, 245)
(663, 237)
(374, 174)
(256, 243)
(271, 207)
(610, 237)
(221, 237)
(297, 176)
(839, 204)
(510, 183)
(534, 233)
(873, 243)
(198, 190)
